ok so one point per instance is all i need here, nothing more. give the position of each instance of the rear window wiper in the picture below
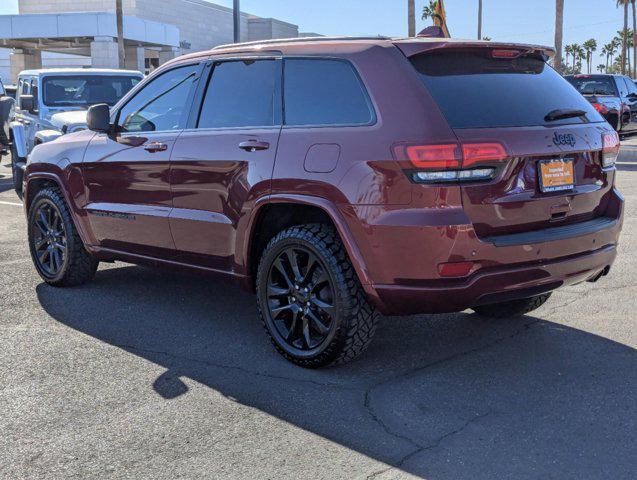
(560, 114)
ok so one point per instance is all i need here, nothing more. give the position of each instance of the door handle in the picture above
(253, 145)
(153, 147)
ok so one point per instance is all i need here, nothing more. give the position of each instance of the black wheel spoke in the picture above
(293, 260)
(312, 265)
(42, 257)
(318, 324)
(290, 336)
(278, 264)
(307, 339)
(325, 307)
(275, 291)
(276, 312)
(39, 242)
(319, 282)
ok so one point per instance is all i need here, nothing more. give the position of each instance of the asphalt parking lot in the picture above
(150, 374)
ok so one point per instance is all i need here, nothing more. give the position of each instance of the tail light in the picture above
(452, 162)
(600, 107)
(610, 149)
(505, 53)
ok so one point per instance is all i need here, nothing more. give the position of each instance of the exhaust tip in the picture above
(602, 273)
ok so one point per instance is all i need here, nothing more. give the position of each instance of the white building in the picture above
(83, 33)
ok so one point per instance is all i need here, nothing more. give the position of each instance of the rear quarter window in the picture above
(324, 92)
(474, 90)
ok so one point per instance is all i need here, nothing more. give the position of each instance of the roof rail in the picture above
(296, 40)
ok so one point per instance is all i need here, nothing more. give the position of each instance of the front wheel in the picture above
(18, 173)
(512, 308)
(310, 300)
(56, 248)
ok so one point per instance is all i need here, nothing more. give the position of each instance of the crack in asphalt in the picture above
(419, 448)
(247, 371)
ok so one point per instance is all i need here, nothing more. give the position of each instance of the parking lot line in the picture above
(10, 203)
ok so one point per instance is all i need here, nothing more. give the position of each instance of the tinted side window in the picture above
(630, 85)
(242, 94)
(162, 104)
(622, 86)
(324, 92)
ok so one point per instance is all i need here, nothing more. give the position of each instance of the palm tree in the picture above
(559, 34)
(601, 68)
(606, 51)
(624, 4)
(428, 11)
(480, 19)
(568, 50)
(487, 39)
(411, 18)
(590, 46)
(581, 55)
(634, 73)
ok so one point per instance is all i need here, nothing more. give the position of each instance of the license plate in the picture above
(556, 175)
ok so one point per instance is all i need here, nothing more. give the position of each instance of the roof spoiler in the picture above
(422, 44)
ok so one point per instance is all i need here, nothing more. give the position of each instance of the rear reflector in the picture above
(455, 269)
(610, 149)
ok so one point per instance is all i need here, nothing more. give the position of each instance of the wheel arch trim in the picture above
(32, 176)
(245, 241)
(18, 138)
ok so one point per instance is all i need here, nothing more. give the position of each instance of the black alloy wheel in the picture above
(300, 298)
(310, 300)
(49, 239)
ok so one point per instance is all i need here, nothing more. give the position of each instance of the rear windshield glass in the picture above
(474, 90)
(593, 85)
(86, 90)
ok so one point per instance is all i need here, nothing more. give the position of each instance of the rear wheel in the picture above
(56, 248)
(513, 308)
(310, 300)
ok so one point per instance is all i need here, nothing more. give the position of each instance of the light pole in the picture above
(479, 19)
(237, 21)
(119, 19)
(411, 18)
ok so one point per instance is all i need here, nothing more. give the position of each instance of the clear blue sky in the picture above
(515, 20)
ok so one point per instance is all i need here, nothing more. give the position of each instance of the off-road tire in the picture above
(79, 266)
(513, 308)
(356, 321)
(18, 174)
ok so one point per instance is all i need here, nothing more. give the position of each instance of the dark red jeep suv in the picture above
(339, 179)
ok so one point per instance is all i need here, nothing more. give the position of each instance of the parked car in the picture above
(613, 96)
(340, 179)
(45, 98)
(6, 106)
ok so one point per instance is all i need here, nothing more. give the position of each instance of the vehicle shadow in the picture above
(441, 397)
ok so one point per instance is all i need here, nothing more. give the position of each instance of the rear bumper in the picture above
(403, 249)
(494, 286)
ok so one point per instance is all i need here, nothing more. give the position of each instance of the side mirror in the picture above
(98, 118)
(26, 103)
